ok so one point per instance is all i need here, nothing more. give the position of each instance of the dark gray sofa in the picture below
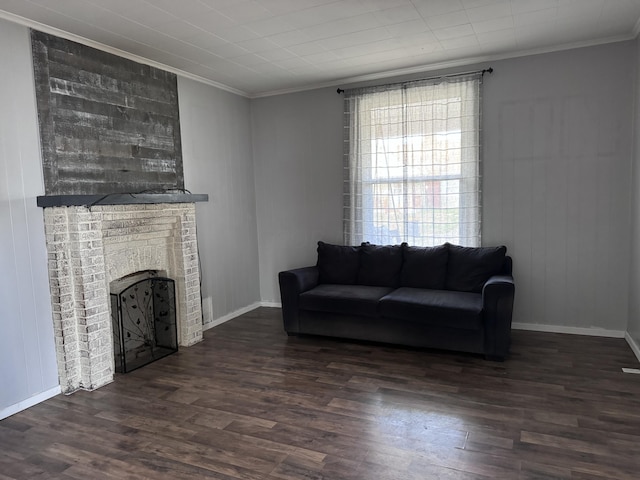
(446, 297)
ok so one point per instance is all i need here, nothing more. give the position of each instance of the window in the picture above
(412, 163)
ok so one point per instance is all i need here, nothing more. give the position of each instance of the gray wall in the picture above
(556, 186)
(558, 145)
(27, 356)
(216, 150)
(633, 327)
(297, 151)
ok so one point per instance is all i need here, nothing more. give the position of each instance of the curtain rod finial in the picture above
(339, 90)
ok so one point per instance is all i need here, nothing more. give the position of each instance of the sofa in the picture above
(444, 297)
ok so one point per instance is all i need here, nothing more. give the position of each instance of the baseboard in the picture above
(231, 315)
(593, 332)
(271, 304)
(29, 402)
(632, 343)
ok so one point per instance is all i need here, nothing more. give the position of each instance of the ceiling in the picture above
(262, 47)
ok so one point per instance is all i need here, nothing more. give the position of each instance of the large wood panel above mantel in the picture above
(107, 124)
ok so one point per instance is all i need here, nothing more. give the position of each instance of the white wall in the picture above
(557, 160)
(28, 370)
(556, 186)
(216, 149)
(297, 151)
(633, 327)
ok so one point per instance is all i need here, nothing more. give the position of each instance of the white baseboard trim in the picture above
(632, 343)
(231, 316)
(29, 402)
(593, 331)
(271, 304)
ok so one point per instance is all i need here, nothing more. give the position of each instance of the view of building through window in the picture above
(411, 187)
(412, 163)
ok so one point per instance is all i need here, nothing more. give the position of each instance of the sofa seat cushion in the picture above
(347, 299)
(434, 307)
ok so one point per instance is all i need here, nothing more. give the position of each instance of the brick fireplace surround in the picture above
(90, 247)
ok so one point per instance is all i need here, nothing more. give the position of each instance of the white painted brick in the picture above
(89, 248)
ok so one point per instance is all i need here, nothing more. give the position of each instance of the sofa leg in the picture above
(494, 358)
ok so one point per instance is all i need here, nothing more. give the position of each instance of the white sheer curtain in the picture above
(412, 163)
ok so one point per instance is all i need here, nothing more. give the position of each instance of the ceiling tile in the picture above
(287, 39)
(181, 9)
(276, 54)
(438, 7)
(343, 26)
(356, 38)
(447, 20)
(244, 12)
(321, 57)
(536, 17)
(459, 42)
(229, 50)
(407, 28)
(206, 40)
(476, 3)
(269, 26)
(309, 48)
(488, 12)
(250, 59)
(179, 29)
(257, 45)
(235, 34)
(398, 14)
(453, 32)
(524, 6)
(211, 21)
(493, 25)
(497, 37)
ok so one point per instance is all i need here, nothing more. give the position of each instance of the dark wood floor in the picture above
(251, 403)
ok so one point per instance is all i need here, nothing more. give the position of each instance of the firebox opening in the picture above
(143, 313)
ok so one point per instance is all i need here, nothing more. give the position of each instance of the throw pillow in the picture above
(470, 267)
(380, 265)
(424, 267)
(337, 264)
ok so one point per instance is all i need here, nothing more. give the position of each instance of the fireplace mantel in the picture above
(45, 201)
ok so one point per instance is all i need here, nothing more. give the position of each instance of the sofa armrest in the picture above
(497, 299)
(292, 284)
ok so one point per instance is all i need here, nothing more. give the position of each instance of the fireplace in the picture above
(94, 241)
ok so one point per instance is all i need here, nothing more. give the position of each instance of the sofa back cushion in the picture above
(338, 264)
(424, 267)
(470, 267)
(380, 265)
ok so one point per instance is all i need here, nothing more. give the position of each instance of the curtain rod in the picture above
(481, 72)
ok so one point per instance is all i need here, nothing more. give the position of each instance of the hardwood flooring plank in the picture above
(251, 403)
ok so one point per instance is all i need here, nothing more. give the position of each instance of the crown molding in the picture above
(116, 51)
(429, 67)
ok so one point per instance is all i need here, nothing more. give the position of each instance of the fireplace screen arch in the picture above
(143, 312)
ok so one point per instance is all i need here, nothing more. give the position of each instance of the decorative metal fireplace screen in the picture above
(144, 320)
